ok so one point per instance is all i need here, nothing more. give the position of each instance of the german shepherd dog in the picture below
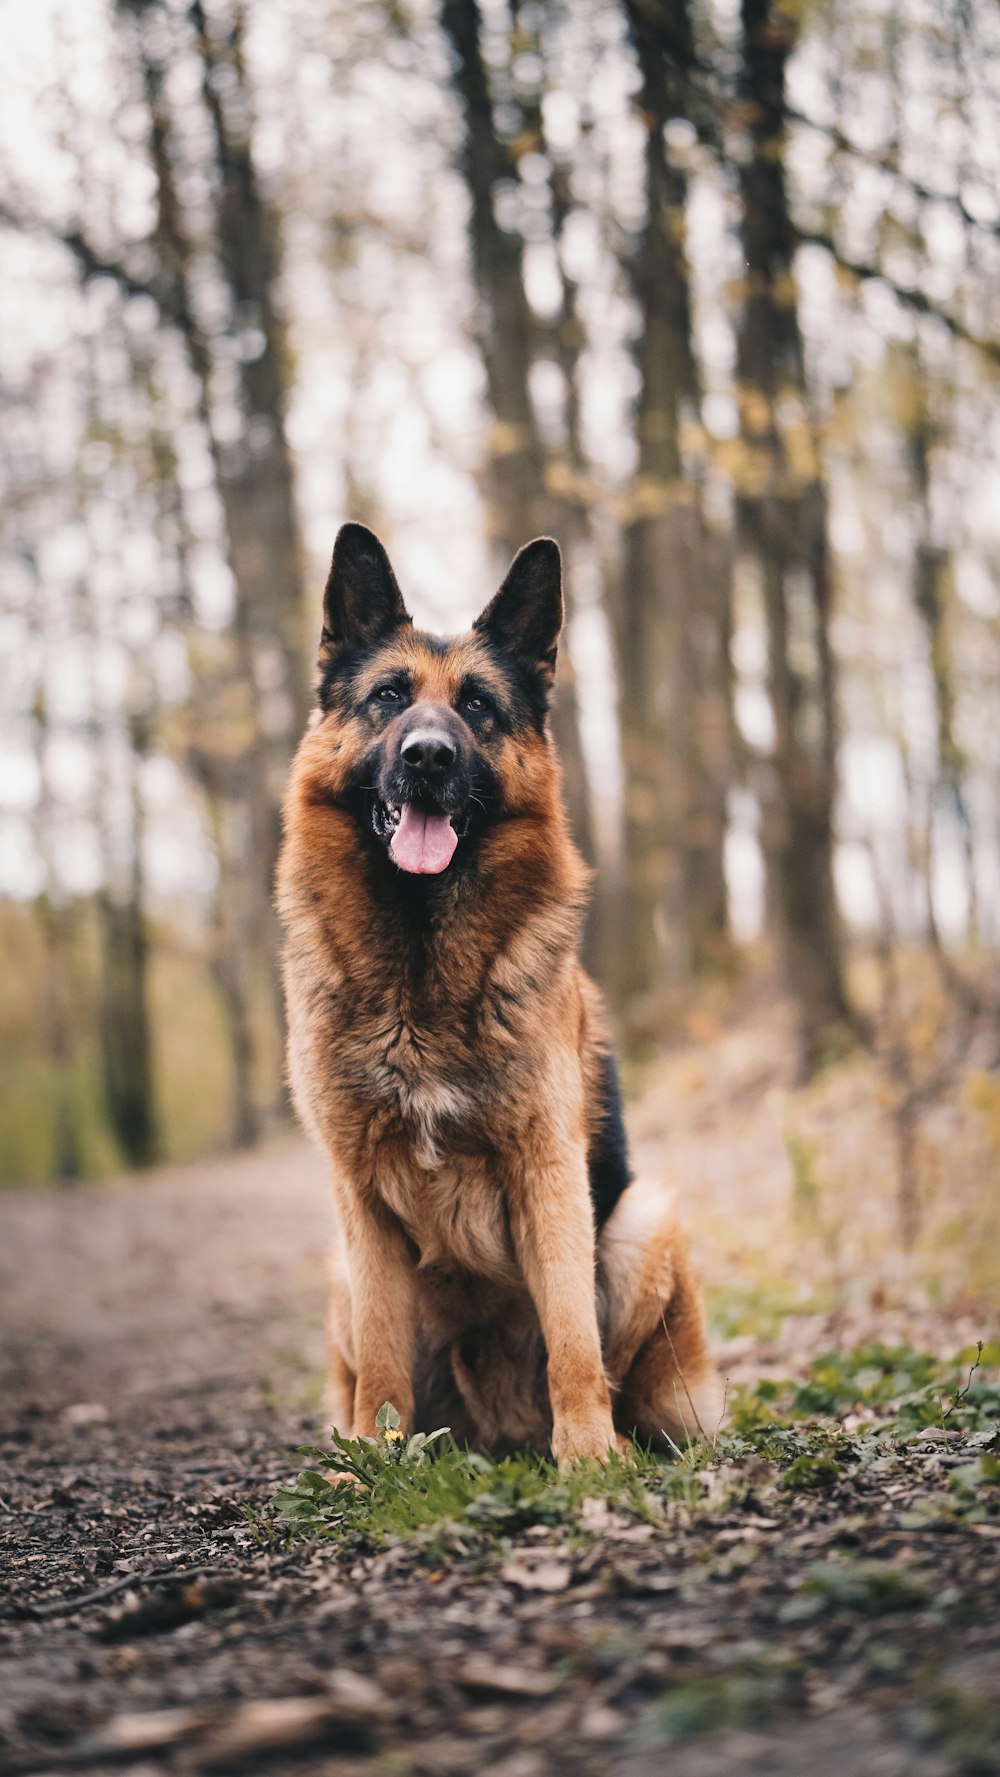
(495, 1268)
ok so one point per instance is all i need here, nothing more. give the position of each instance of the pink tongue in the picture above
(424, 844)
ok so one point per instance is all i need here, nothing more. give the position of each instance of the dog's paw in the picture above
(593, 1442)
(341, 1478)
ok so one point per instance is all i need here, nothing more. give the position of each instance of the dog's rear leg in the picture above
(665, 1384)
(671, 1390)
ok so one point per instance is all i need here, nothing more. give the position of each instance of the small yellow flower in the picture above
(394, 1437)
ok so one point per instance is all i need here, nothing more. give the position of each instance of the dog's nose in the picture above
(428, 749)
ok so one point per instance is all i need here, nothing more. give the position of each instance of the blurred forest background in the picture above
(707, 289)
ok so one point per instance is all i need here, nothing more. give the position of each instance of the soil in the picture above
(161, 1347)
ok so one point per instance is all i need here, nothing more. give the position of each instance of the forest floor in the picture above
(815, 1589)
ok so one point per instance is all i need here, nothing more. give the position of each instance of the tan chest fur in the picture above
(407, 1107)
(454, 1213)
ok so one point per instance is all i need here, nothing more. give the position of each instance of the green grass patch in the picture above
(852, 1413)
(864, 1588)
(390, 1489)
(889, 1388)
(701, 1706)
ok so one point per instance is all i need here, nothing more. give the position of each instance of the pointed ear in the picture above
(362, 602)
(524, 618)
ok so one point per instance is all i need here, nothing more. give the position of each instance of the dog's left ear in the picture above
(362, 603)
(525, 617)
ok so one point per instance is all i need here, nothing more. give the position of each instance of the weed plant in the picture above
(870, 1408)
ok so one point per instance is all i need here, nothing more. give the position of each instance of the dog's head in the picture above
(430, 741)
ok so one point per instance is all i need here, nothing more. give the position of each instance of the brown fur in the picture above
(454, 1088)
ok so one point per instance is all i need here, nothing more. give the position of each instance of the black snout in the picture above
(428, 750)
(426, 761)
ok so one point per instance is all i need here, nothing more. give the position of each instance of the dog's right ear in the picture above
(362, 603)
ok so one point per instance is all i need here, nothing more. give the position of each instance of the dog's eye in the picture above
(478, 705)
(389, 694)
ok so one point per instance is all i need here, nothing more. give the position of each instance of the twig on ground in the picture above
(60, 1607)
(688, 1439)
(64, 1607)
(674, 1447)
(680, 1372)
(962, 1392)
(722, 1415)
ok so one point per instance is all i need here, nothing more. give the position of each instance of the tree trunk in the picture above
(257, 483)
(125, 1028)
(930, 595)
(216, 763)
(67, 1154)
(229, 954)
(781, 508)
(520, 504)
(673, 610)
(257, 473)
(56, 920)
(265, 695)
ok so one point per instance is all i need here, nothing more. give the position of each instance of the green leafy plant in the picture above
(370, 1491)
(850, 1412)
(891, 1388)
(868, 1588)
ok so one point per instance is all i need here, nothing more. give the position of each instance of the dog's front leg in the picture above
(382, 1316)
(553, 1230)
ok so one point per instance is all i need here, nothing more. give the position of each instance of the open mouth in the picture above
(422, 842)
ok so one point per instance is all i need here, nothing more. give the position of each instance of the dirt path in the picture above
(161, 1344)
(185, 1284)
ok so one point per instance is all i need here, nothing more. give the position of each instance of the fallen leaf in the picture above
(540, 1576)
(480, 1673)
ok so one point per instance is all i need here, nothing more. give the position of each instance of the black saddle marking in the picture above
(607, 1161)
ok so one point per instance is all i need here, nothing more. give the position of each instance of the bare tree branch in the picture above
(914, 299)
(90, 262)
(889, 163)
